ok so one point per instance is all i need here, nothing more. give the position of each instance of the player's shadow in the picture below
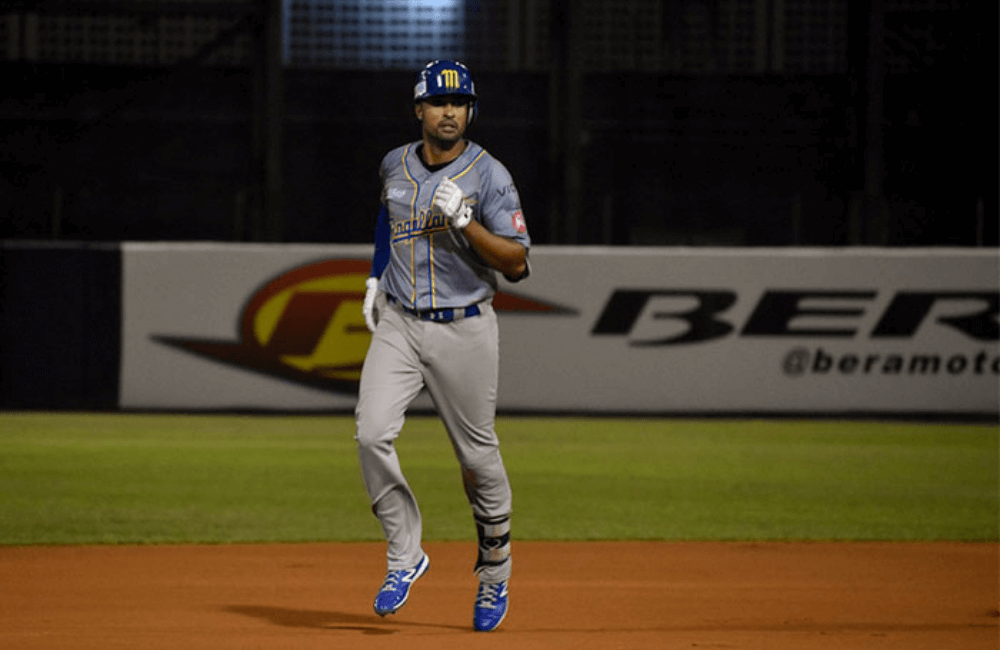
(326, 620)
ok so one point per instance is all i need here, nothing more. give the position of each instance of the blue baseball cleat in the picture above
(491, 606)
(396, 587)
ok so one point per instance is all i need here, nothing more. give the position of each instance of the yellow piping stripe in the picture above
(470, 166)
(413, 217)
(430, 261)
(413, 274)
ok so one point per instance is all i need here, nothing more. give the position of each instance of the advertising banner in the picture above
(632, 330)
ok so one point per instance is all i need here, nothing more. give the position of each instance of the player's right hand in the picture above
(451, 202)
(371, 290)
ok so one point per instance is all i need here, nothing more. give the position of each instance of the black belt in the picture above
(445, 315)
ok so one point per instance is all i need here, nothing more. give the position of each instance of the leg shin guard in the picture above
(494, 542)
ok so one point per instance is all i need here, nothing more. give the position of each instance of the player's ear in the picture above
(418, 110)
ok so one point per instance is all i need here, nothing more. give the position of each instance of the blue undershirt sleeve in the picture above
(381, 258)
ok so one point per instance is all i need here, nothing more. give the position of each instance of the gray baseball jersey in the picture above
(430, 266)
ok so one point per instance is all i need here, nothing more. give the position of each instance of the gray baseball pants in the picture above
(458, 363)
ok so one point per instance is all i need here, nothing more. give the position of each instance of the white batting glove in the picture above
(369, 307)
(451, 202)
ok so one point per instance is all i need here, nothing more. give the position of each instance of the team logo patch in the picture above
(518, 222)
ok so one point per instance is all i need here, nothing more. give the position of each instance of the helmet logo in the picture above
(449, 79)
(446, 77)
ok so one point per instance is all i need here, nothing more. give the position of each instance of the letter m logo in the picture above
(449, 78)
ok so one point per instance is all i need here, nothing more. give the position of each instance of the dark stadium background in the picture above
(638, 122)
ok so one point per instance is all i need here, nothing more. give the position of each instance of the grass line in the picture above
(123, 478)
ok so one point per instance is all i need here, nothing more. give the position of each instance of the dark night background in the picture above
(252, 126)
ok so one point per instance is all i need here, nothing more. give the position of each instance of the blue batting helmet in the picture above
(446, 77)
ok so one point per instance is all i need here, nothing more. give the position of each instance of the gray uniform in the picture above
(437, 330)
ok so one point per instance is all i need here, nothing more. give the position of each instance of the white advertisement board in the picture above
(634, 330)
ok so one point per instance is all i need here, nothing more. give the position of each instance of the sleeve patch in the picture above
(517, 221)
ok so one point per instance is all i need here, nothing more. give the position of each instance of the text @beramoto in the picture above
(801, 361)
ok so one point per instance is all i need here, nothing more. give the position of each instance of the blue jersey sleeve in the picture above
(381, 257)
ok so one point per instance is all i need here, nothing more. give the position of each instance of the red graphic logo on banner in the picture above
(307, 326)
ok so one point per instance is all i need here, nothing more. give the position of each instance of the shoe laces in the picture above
(487, 598)
(392, 580)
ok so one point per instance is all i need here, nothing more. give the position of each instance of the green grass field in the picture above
(129, 478)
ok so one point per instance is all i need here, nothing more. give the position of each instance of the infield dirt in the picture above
(581, 595)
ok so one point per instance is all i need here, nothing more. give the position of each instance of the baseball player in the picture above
(450, 221)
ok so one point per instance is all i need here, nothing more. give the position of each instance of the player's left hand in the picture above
(451, 202)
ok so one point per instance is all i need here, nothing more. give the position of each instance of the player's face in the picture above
(444, 117)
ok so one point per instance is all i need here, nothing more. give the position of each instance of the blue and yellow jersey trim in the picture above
(421, 226)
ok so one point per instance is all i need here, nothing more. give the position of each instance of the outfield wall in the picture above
(638, 330)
